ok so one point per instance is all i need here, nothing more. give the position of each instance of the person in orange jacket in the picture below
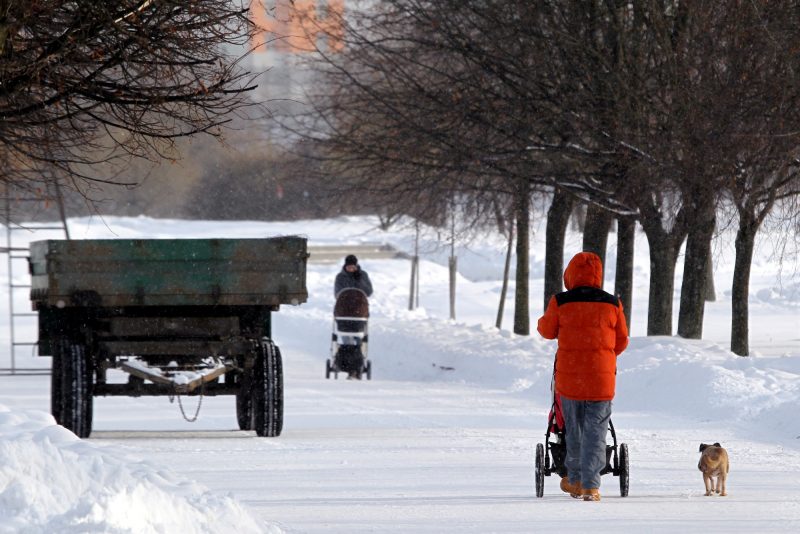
(591, 331)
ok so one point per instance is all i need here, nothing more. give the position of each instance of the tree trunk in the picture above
(557, 221)
(506, 270)
(662, 286)
(664, 247)
(740, 329)
(595, 231)
(623, 281)
(522, 202)
(693, 287)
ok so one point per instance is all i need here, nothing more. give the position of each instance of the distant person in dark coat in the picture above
(352, 276)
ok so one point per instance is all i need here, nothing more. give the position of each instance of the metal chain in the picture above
(199, 404)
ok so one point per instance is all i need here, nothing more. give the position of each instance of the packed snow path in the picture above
(398, 456)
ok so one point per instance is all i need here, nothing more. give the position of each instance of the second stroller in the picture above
(350, 337)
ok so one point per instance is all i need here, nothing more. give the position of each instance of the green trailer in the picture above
(178, 316)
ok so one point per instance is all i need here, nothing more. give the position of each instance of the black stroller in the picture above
(350, 339)
(551, 457)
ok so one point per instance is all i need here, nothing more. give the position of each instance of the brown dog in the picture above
(714, 464)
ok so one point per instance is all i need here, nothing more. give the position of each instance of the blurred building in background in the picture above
(290, 30)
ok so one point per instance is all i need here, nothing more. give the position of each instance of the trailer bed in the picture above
(169, 272)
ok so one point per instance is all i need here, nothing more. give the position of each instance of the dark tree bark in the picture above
(693, 287)
(662, 286)
(522, 205)
(664, 248)
(623, 281)
(745, 243)
(595, 231)
(557, 220)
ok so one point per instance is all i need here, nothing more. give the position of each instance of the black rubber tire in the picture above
(56, 379)
(268, 391)
(368, 370)
(624, 470)
(539, 470)
(76, 388)
(244, 405)
(547, 470)
(328, 368)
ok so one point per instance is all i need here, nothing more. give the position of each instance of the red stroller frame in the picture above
(551, 457)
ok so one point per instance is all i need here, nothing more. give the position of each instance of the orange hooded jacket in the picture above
(591, 331)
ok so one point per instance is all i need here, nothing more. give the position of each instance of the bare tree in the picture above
(445, 97)
(84, 82)
(639, 107)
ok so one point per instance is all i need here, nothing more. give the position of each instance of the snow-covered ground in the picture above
(442, 439)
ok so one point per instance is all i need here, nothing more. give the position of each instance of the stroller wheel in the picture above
(624, 470)
(539, 470)
(328, 368)
(547, 469)
(368, 369)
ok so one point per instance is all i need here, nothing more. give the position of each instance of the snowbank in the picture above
(51, 481)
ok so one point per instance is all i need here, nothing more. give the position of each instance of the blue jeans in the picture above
(587, 425)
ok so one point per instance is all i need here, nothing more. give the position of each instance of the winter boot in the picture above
(591, 494)
(574, 490)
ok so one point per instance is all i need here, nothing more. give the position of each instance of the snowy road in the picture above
(393, 456)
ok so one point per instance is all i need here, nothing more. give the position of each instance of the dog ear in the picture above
(717, 444)
(703, 447)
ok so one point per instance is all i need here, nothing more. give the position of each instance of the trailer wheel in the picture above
(539, 470)
(268, 391)
(244, 405)
(76, 388)
(624, 470)
(56, 377)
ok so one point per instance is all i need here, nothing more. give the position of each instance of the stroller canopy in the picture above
(351, 302)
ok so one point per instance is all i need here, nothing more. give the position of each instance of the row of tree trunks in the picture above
(594, 240)
(697, 284)
(665, 247)
(558, 216)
